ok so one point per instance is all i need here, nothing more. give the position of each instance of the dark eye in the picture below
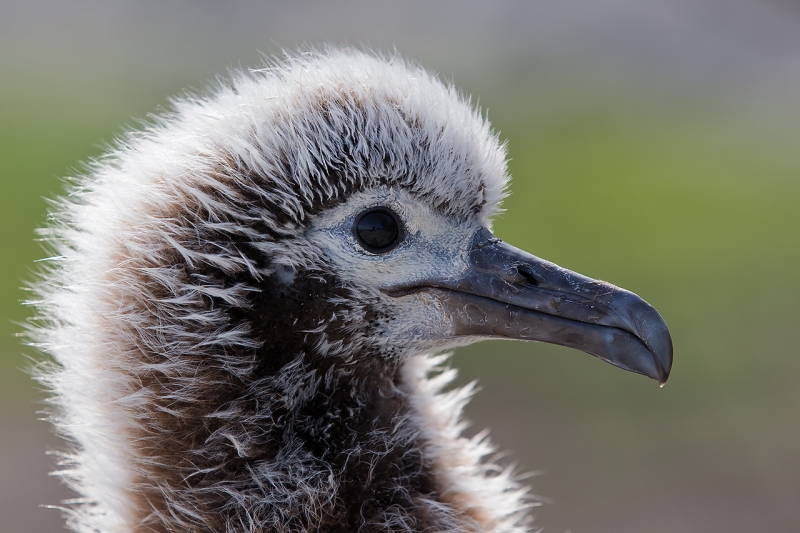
(378, 230)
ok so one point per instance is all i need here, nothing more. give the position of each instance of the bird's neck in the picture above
(321, 447)
(265, 430)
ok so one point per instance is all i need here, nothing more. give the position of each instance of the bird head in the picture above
(388, 181)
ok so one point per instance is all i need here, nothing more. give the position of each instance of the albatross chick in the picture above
(247, 297)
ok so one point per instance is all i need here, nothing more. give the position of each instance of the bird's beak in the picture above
(508, 293)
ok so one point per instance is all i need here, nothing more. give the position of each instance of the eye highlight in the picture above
(378, 230)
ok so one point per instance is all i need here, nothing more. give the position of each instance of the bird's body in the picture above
(246, 299)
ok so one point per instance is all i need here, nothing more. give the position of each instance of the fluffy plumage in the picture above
(222, 361)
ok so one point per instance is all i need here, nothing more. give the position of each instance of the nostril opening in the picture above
(527, 273)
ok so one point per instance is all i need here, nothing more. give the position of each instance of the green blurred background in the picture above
(652, 145)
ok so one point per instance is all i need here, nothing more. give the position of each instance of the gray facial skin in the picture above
(508, 293)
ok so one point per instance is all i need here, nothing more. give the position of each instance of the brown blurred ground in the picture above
(24, 468)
